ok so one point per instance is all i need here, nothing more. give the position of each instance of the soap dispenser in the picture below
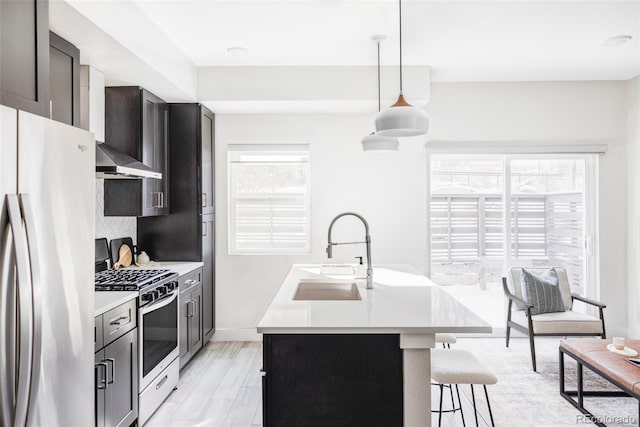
(360, 271)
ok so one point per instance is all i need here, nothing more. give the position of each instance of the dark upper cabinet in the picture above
(24, 55)
(207, 125)
(64, 80)
(137, 123)
(187, 233)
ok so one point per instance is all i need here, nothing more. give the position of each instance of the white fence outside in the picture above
(467, 235)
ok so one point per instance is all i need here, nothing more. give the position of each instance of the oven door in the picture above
(158, 337)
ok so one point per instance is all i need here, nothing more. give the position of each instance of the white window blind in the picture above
(269, 210)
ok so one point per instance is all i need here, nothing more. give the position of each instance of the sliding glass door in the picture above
(488, 213)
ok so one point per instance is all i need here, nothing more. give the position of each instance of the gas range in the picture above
(152, 284)
(129, 280)
(157, 331)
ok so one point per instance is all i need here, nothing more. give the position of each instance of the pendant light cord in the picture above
(378, 43)
(400, 20)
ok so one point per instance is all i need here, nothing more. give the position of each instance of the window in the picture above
(490, 212)
(269, 199)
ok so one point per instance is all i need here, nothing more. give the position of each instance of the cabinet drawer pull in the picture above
(190, 311)
(162, 381)
(118, 320)
(158, 199)
(190, 282)
(101, 384)
(112, 362)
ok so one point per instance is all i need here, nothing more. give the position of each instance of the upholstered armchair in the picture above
(559, 323)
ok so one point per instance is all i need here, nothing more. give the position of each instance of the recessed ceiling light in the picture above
(617, 40)
(237, 51)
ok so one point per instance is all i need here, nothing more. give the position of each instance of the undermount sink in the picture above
(309, 290)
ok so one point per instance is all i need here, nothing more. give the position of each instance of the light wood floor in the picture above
(221, 386)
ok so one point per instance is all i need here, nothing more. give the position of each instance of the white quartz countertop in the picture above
(180, 267)
(106, 300)
(400, 302)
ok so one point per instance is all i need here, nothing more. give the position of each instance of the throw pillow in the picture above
(542, 291)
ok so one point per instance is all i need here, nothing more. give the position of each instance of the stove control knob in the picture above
(147, 297)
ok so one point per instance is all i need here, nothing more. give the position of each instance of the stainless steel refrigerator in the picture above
(47, 190)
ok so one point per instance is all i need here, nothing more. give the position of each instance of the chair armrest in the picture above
(520, 300)
(586, 300)
(512, 297)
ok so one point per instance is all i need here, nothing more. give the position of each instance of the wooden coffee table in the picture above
(613, 367)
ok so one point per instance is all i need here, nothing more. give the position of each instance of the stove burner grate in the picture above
(128, 280)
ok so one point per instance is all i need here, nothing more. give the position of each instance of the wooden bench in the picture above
(613, 367)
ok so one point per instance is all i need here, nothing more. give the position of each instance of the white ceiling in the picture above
(461, 40)
(319, 54)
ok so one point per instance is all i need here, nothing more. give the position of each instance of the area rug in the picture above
(526, 398)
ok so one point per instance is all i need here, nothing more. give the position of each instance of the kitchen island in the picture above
(379, 345)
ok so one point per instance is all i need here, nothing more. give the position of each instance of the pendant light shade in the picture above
(374, 142)
(401, 119)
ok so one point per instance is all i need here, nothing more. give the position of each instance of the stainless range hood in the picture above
(113, 164)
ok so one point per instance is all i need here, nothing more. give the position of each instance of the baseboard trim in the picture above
(236, 335)
(246, 334)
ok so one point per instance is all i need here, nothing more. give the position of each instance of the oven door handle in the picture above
(158, 304)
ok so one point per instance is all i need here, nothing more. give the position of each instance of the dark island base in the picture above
(332, 380)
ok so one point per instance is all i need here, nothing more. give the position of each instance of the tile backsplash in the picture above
(112, 227)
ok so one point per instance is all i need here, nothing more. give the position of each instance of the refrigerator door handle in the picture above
(36, 289)
(7, 325)
(25, 321)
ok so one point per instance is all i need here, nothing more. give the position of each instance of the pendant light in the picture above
(401, 119)
(373, 141)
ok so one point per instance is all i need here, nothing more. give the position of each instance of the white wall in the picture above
(389, 189)
(633, 206)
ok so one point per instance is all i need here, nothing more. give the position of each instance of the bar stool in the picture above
(446, 340)
(461, 367)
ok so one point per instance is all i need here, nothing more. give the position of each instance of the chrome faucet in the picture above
(367, 242)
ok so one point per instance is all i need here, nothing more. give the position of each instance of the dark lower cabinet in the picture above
(208, 276)
(24, 55)
(190, 324)
(100, 369)
(332, 380)
(64, 81)
(116, 366)
(116, 376)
